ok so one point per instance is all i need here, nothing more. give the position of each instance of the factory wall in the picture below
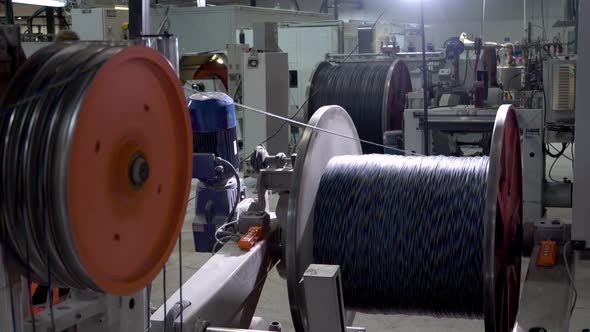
(504, 18)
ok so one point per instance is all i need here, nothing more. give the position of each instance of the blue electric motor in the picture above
(213, 120)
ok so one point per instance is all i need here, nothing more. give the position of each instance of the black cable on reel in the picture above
(411, 237)
(373, 93)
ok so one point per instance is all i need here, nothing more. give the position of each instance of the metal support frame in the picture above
(9, 12)
(324, 299)
(324, 6)
(88, 311)
(278, 180)
(94, 312)
(224, 291)
(49, 20)
(139, 18)
(424, 83)
(545, 299)
(11, 295)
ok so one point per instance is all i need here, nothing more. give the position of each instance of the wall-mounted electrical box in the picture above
(559, 80)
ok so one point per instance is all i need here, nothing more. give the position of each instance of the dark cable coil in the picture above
(373, 93)
(411, 237)
(30, 126)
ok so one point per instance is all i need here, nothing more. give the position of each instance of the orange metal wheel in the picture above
(129, 170)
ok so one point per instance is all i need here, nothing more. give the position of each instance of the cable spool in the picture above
(439, 236)
(373, 93)
(401, 243)
(95, 161)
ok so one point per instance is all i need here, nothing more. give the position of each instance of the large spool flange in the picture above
(98, 153)
(502, 216)
(314, 151)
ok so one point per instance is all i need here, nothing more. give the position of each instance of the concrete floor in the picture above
(274, 303)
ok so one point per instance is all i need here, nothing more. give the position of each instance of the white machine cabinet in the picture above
(99, 23)
(266, 87)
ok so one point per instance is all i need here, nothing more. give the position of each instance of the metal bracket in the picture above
(11, 288)
(323, 298)
(273, 179)
(546, 296)
(223, 290)
(93, 312)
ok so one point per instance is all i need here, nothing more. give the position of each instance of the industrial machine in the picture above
(546, 117)
(325, 275)
(215, 164)
(96, 177)
(542, 85)
(466, 130)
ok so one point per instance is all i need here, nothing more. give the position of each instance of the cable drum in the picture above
(373, 93)
(91, 135)
(401, 243)
(439, 236)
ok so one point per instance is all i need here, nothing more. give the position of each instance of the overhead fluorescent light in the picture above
(121, 7)
(45, 3)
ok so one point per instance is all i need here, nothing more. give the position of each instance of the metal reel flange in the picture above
(129, 163)
(310, 90)
(314, 151)
(104, 162)
(397, 86)
(503, 224)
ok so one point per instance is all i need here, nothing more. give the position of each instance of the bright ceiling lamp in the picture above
(44, 3)
(121, 7)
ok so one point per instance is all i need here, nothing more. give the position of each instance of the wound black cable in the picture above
(362, 89)
(400, 243)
